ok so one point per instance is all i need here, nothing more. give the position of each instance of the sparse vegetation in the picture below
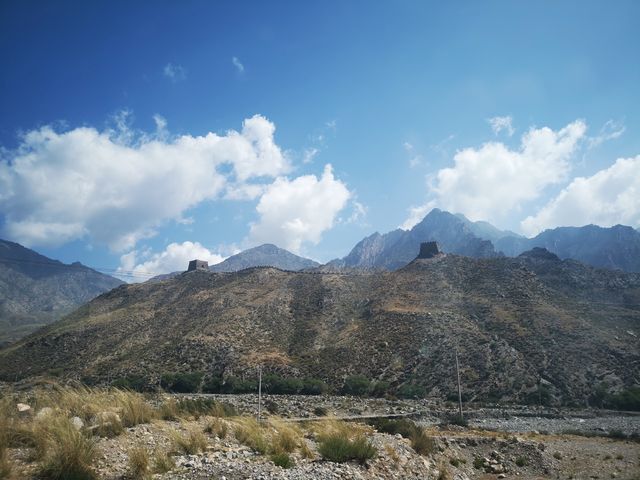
(251, 434)
(411, 391)
(282, 459)
(522, 461)
(191, 443)
(163, 462)
(139, 467)
(420, 441)
(338, 447)
(183, 382)
(217, 427)
(320, 411)
(356, 385)
(69, 455)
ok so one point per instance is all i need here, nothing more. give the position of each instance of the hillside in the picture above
(522, 326)
(36, 290)
(266, 255)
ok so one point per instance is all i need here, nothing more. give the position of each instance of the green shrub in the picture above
(238, 385)
(213, 385)
(320, 411)
(181, 382)
(521, 461)
(198, 407)
(403, 426)
(339, 448)
(282, 460)
(136, 383)
(379, 388)
(478, 463)
(357, 385)
(411, 391)
(313, 386)
(626, 400)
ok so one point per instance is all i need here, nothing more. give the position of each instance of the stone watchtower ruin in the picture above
(429, 250)
(198, 265)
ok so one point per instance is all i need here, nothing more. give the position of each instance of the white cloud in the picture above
(236, 63)
(492, 181)
(136, 266)
(300, 210)
(609, 197)
(309, 154)
(499, 124)
(609, 131)
(117, 186)
(415, 159)
(175, 73)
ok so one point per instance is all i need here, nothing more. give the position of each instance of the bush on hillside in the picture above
(356, 385)
(181, 382)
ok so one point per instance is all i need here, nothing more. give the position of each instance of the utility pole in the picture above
(259, 392)
(459, 388)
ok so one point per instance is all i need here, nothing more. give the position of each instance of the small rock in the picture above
(77, 423)
(23, 408)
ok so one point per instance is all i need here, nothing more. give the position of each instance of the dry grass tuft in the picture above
(251, 434)
(217, 427)
(139, 463)
(69, 453)
(163, 462)
(192, 443)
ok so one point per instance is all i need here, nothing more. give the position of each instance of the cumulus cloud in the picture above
(175, 73)
(117, 186)
(609, 197)
(493, 180)
(139, 266)
(499, 124)
(238, 64)
(299, 210)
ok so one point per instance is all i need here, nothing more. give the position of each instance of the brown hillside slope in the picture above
(512, 326)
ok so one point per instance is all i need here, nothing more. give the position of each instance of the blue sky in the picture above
(512, 112)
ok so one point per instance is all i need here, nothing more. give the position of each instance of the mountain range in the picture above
(519, 325)
(36, 290)
(616, 247)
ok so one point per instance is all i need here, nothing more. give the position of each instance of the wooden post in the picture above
(259, 392)
(459, 387)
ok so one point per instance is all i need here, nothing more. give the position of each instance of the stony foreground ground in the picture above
(527, 444)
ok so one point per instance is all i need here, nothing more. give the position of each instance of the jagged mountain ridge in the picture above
(397, 248)
(616, 247)
(36, 290)
(516, 322)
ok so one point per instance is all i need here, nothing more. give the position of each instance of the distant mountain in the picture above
(616, 248)
(524, 328)
(395, 249)
(266, 255)
(36, 290)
